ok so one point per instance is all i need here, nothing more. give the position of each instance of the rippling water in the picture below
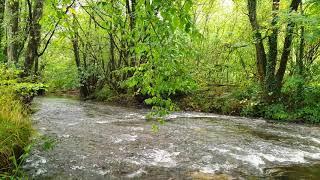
(97, 141)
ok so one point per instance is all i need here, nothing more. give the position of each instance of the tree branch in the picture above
(54, 30)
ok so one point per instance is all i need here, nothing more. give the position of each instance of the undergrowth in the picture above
(15, 124)
(247, 101)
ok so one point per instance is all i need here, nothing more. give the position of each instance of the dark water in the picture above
(97, 141)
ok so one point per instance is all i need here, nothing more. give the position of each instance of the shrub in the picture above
(104, 94)
(276, 111)
(9, 79)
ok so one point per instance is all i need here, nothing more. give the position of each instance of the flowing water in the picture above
(98, 141)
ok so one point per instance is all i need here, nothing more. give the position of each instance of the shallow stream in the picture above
(98, 141)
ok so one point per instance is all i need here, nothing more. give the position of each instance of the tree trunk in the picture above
(301, 52)
(111, 64)
(34, 36)
(286, 46)
(131, 12)
(84, 93)
(300, 64)
(2, 7)
(260, 50)
(83, 88)
(112, 55)
(270, 84)
(13, 31)
(270, 80)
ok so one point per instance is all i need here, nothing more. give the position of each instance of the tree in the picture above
(84, 91)
(35, 14)
(2, 8)
(271, 79)
(13, 31)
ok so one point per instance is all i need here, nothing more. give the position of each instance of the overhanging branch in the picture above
(54, 30)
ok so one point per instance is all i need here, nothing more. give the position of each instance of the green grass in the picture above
(15, 129)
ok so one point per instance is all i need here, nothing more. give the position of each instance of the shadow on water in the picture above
(308, 172)
(261, 134)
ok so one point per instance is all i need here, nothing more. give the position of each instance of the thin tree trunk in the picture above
(2, 8)
(75, 44)
(300, 64)
(112, 55)
(112, 63)
(260, 50)
(13, 31)
(34, 36)
(286, 46)
(270, 84)
(301, 47)
(131, 13)
(83, 88)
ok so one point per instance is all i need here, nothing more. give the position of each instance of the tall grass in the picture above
(15, 128)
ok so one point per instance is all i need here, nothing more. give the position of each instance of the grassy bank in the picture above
(15, 129)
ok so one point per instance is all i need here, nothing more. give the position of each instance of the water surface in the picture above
(98, 141)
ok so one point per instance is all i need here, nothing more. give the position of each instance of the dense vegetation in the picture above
(15, 127)
(252, 58)
(241, 57)
(15, 130)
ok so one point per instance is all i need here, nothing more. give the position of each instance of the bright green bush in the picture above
(9, 79)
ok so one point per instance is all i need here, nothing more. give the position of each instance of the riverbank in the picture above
(15, 131)
(233, 101)
(248, 102)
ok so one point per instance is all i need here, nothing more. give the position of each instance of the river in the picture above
(98, 141)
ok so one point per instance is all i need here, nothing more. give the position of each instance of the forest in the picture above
(249, 58)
